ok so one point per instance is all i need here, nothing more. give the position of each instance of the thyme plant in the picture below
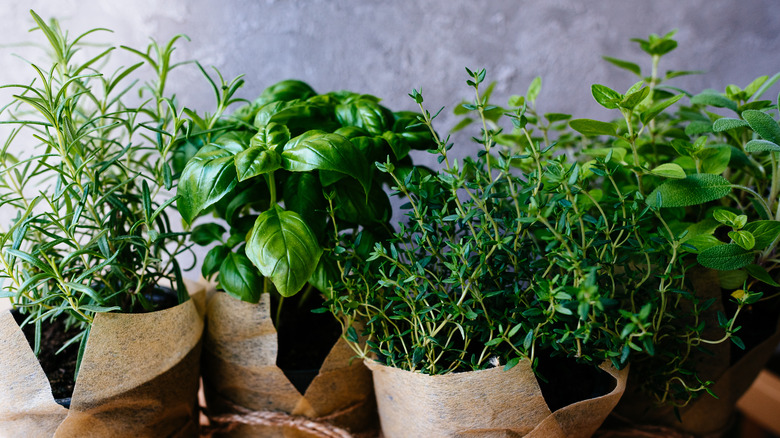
(86, 168)
(505, 256)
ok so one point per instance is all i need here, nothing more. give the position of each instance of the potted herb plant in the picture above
(708, 171)
(90, 251)
(519, 262)
(268, 173)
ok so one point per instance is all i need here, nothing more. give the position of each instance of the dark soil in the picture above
(568, 382)
(59, 368)
(305, 338)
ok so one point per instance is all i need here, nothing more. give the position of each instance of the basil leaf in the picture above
(207, 177)
(284, 249)
(256, 161)
(239, 278)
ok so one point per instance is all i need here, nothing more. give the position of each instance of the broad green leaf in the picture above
(288, 89)
(365, 114)
(702, 242)
(272, 136)
(207, 177)
(669, 170)
(760, 274)
(657, 108)
(714, 99)
(356, 208)
(256, 161)
(303, 195)
(324, 276)
(693, 190)
(726, 124)
(239, 278)
(213, 260)
(284, 249)
(715, 160)
(743, 238)
(761, 146)
(593, 127)
(630, 66)
(729, 218)
(605, 96)
(765, 232)
(698, 127)
(732, 279)
(763, 124)
(317, 150)
(205, 234)
(725, 257)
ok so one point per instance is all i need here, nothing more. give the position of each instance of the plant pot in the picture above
(486, 403)
(139, 377)
(240, 375)
(706, 416)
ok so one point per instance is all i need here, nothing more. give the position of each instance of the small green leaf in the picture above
(605, 96)
(693, 190)
(763, 124)
(205, 234)
(593, 127)
(213, 260)
(630, 101)
(657, 108)
(725, 257)
(669, 170)
(759, 273)
(534, 89)
(765, 232)
(630, 66)
(284, 249)
(743, 238)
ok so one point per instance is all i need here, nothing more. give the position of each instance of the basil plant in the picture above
(273, 169)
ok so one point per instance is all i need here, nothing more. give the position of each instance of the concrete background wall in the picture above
(388, 47)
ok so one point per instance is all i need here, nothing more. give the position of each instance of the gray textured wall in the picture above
(388, 47)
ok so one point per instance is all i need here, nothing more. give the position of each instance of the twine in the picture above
(317, 427)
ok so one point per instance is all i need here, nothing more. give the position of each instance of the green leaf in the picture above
(317, 150)
(593, 127)
(714, 99)
(256, 161)
(365, 114)
(732, 279)
(657, 108)
(765, 232)
(763, 124)
(605, 96)
(714, 159)
(693, 190)
(213, 260)
(534, 89)
(743, 238)
(205, 234)
(284, 249)
(669, 170)
(726, 124)
(725, 257)
(207, 177)
(239, 278)
(633, 99)
(761, 146)
(630, 66)
(759, 273)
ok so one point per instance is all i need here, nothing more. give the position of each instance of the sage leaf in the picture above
(726, 124)
(239, 278)
(761, 146)
(693, 190)
(318, 150)
(714, 99)
(669, 170)
(207, 177)
(593, 127)
(726, 257)
(763, 124)
(284, 249)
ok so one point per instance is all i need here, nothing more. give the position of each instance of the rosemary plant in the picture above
(86, 169)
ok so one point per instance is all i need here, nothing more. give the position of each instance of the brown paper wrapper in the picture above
(239, 368)
(139, 377)
(489, 403)
(706, 416)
